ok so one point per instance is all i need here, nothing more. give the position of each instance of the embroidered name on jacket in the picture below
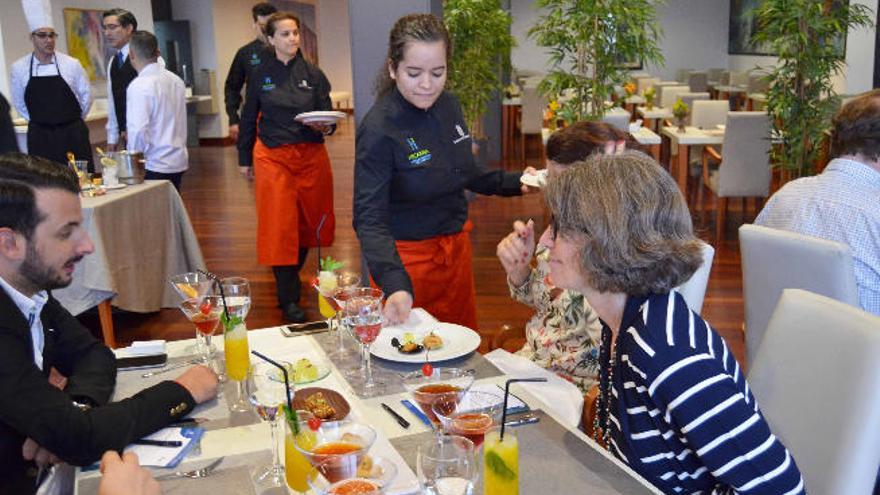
(418, 156)
(268, 85)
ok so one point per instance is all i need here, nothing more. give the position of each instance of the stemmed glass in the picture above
(447, 465)
(193, 285)
(363, 316)
(268, 394)
(204, 312)
(471, 417)
(332, 301)
(442, 384)
(237, 292)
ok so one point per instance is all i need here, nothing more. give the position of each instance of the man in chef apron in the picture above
(52, 92)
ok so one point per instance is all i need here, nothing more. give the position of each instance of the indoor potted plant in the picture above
(591, 43)
(680, 111)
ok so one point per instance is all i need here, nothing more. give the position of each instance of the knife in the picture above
(523, 420)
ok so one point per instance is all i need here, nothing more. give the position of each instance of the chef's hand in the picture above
(527, 189)
(233, 132)
(516, 250)
(397, 307)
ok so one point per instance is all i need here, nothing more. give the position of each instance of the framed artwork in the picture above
(308, 37)
(86, 42)
(743, 26)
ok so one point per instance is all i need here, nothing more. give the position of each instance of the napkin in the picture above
(168, 457)
(557, 395)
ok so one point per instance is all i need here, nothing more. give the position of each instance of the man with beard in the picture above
(55, 378)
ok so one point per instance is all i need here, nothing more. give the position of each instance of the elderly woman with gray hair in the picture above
(673, 403)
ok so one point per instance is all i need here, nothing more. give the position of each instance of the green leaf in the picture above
(497, 465)
(230, 323)
(328, 264)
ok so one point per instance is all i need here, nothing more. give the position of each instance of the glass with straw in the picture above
(237, 295)
(501, 453)
(272, 390)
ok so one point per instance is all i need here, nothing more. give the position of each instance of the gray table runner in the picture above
(551, 460)
(389, 371)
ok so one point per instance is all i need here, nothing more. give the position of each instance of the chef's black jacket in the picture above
(412, 167)
(277, 92)
(247, 58)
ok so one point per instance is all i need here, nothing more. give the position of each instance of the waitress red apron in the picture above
(294, 190)
(442, 276)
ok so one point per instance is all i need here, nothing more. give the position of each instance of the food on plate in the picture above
(409, 345)
(318, 405)
(432, 341)
(305, 371)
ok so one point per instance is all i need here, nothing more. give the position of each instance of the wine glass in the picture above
(237, 292)
(332, 293)
(345, 282)
(471, 417)
(204, 312)
(442, 383)
(363, 315)
(447, 465)
(193, 285)
(338, 447)
(268, 395)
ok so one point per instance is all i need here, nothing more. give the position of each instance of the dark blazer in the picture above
(31, 407)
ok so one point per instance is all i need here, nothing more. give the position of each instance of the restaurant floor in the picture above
(221, 206)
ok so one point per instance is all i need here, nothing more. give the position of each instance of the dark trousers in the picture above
(174, 178)
(287, 283)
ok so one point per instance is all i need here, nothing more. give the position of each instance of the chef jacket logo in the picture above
(418, 156)
(461, 134)
(255, 60)
(304, 85)
(268, 85)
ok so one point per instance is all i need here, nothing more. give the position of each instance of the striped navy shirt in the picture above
(682, 414)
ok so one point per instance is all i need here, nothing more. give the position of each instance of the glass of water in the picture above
(447, 465)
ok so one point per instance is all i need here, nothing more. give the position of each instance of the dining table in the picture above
(142, 235)
(682, 141)
(554, 455)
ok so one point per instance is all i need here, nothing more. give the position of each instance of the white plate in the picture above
(320, 117)
(537, 180)
(117, 186)
(458, 341)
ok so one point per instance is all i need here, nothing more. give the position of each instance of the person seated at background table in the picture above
(155, 111)
(413, 164)
(673, 403)
(841, 203)
(55, 377)
(563, 334)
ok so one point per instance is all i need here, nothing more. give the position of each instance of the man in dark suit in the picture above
(119, 25)
(55, 378)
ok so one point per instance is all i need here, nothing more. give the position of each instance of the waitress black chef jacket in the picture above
(412, 167)
(276, 93)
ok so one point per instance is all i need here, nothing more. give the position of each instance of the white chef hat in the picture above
(38, 14)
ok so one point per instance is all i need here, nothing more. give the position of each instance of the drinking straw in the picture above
(507, 394)
(219, 284)
(286, 388)
(318, 233)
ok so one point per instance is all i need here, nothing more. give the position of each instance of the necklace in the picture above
(602, 420)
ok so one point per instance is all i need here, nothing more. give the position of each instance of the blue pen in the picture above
(416, 411)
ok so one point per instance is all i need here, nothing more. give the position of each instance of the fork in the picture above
(202, 472)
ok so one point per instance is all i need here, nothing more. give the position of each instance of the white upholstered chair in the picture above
(708, 114)
(698, 81)
(774, 260)
(816, 378)
(531, 117)
(670, 94)
(744, 169)
(694, 290)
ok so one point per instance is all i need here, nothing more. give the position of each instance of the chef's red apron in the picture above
(442, 276)
(294, 191)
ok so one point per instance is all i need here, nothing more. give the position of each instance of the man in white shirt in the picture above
(52, 92)
(156, 112)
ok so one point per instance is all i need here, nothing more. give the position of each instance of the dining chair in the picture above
(708, 114)
(670, 95)
(816, 378)
(531, 117)
(694, 289)
(619, 120)
(714, 75)
(644, 83)
(744, 168)
(681, 75)
(774, 260)
(739, 78)
(698, 81)
(689, 98)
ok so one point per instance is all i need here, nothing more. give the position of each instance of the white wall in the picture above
(334, 43)
(16, 39)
